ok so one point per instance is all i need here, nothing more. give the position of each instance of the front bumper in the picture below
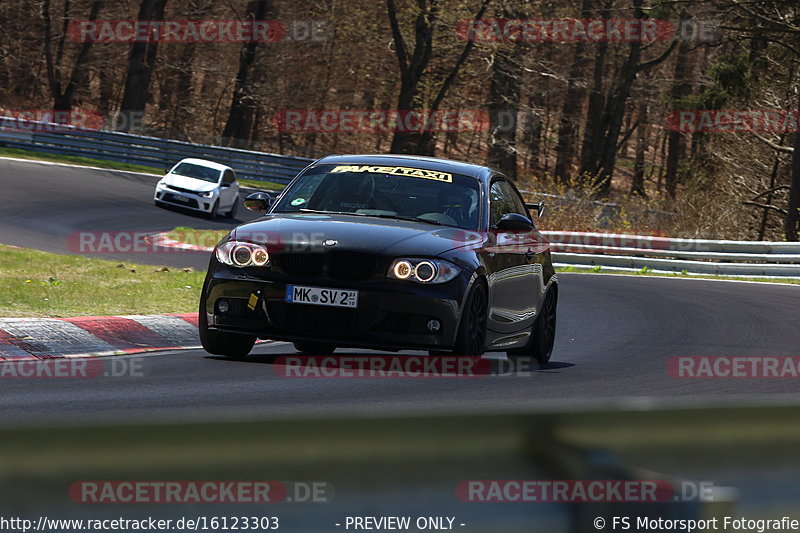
(185, 200)
(391, 314)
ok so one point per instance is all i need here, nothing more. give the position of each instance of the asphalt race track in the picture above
(615, 335)
(47, 206)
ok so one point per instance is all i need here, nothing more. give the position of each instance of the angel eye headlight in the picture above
(259, 257)
(242, 254)
(402, 269)
(422, 270)
(425, 271)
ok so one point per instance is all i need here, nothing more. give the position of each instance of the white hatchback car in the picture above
(200, 185)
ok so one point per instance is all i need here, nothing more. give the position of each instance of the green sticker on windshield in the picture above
(298, 201)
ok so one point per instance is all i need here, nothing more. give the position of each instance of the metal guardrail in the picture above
(695, 256)
(146, 151)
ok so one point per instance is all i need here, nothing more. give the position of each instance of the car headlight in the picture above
(242, 254)
(207, 194)
(422, 270)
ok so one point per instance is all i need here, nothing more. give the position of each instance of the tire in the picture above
(213, 213)
(471, 337)
(314, 348)
(231, 345)
(232, 212)
(543, 332)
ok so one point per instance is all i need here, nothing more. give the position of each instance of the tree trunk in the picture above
(593, 129)
(680, 89)
(141, 64)
(412, 70)
(63, 97)
(637, 185)
(793, 217)
(572, 106)
(532, 137)
(615, 112)
(241, 121)
(177, 92)
(504, 91)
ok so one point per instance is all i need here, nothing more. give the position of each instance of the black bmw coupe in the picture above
(385, 252)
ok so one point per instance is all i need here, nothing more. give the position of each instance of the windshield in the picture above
(386, 191)
(191, 170)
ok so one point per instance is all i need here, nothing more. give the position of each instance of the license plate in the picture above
(319, 296)
(181, 199)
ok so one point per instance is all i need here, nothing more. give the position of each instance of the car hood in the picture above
(308, 232)
(185, 182)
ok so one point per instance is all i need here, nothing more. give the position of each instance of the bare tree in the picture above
(504, 93)
(572, 106)
(681, 88)
(141, 64)
(241, 124)
(413, 68)
(64, 94)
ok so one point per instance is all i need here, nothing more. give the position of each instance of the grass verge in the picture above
(269, 186)
(199, 237)
(43, 284)
(31, 155)
(76, 160)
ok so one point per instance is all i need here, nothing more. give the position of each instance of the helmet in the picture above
(457, 203)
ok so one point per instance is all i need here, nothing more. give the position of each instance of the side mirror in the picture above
(260, 202)
(538, 206)
(224, 185)
(514, 222)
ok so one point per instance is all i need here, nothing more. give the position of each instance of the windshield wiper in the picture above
(410, 219)
(304, 210)
(376, 215)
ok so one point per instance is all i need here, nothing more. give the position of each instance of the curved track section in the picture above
(615, 338)
(48, 206)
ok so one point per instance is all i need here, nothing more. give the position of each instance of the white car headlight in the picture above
(242, 254)
(207, 194)
(422, 270)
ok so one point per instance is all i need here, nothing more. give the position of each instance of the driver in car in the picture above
(456, 204)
